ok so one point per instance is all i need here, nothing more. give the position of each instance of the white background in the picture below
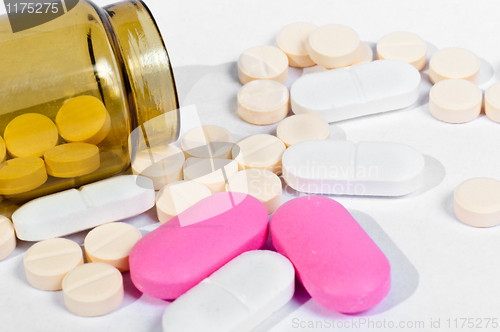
(458, 266)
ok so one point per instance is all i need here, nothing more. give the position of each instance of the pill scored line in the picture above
(219, 286)
(90, 280)
(109, 240)
(52, 254)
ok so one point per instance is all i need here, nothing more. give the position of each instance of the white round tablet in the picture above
(334, 46)
(259, 183)
(213, 173)
(259, 151)
(207, 142)
(47, 262)
(455, 101)
(293, 40)
(302, 127)
(7, 237)
(162, 164)
(477, 202)
(263, 102)
(177, 197)
(492, 102)
(93, 289)
(404, 46)
(111, 244)
(454, 63)
(263, 63)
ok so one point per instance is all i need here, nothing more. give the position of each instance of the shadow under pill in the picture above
(434, 174)
(486, 72)
(447, 205)
(131, 293)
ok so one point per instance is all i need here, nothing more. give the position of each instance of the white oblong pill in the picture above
(235, 298)
(259, 183)
(207, 142)
(263, 63)
(92, 205)
(345, 168)
(111, 244)
(334, 46)
(263, 102)
(492, 102)
(454, 62)
(477, 202)
(93, 289)
(162, 164)
(404, 46)
(455, 101)
(7, 237)
(213, 173)
(177, 197)
(364, 89)
(47, 262)
(302, 127)
(293, 39)
(259, 151)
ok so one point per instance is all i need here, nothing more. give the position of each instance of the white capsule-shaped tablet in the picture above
(346, 168)
(364, 89)
(73, 210)
(477, 202)
(236, 298)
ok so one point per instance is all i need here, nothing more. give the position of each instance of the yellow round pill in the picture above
(72, 159)
(30, 135)
(3, 150)
(83, 119)
(20, 175)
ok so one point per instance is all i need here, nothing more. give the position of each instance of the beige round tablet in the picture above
(455, 101)
(93, 289)
(293, 40)
(302, 127)
(454, 63)
(47, 262)
(212, 173)
(477, 202)
(334, 46)
(404, 46)
(111, 244)
(259, 151)
(7, 237)
(263, 63)
(492, 102)
(207, 142)
(177, 197)
(263, 102)
(365, 54)
(162, 164)
(259, 183)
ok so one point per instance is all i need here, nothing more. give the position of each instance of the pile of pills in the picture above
(215, 195)
(32, 142)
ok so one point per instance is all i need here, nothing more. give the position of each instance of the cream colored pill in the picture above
(334, 46)
(454, 63)
(111, 244)
(47, 262)
(365, 54)
(477, 202)
(207, 142)
(455, 101)
(212, 173)
(302, 127)
(263, 63)
(404, 46)
(492, 102)
(162, 164)
(7, 237)
(93, 289)
(177, 197)
(259, 183)
(263, 102)
(293, 40)
(259, 151)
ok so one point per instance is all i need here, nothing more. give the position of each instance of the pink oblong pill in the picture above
(191, 246)
(337, 262)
